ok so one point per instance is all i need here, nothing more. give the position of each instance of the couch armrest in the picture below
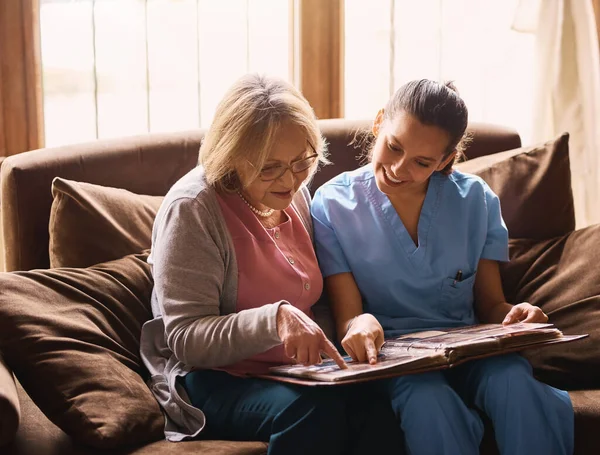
(148, 164)
(10, 411)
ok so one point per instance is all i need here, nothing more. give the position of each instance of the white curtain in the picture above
(567, 90)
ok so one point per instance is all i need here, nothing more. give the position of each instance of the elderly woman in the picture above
(235, 278)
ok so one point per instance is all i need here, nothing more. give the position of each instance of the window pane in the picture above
(173, 64)
(367, 57)
(223, 51)
(160, 65)
(492, 64)
(417, 40)
(121, 67)
(468, 41)
(68, 72)
(269, 37)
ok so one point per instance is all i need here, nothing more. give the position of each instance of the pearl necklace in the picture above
(264, 214)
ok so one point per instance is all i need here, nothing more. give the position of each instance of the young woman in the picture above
(407, 244)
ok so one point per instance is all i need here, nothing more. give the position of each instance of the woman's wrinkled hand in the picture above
(525, 312)
(364, 338)
(303, 339)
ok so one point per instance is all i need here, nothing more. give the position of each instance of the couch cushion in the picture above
(37, 435)
(586, 404)
(561, 276)
(90, 224)
(534, 187)
(10, 411)
(71, 336)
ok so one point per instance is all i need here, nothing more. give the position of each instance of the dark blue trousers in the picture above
(295, 419)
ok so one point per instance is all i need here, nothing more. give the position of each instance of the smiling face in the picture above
(406, 153)
(290, 145)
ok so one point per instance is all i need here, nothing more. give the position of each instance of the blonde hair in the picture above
(245, 126)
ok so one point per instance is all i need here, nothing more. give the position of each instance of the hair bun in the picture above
(451, 86)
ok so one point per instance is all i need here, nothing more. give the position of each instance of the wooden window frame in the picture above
(596, 6)
(317, 50)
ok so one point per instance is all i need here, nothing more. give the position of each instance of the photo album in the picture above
(426, 351)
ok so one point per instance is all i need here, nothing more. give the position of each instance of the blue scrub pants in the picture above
(293, 419)
(436, 409)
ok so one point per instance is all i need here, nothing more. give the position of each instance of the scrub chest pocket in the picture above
(456, 298)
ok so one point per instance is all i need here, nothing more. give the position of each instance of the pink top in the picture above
(273, 264)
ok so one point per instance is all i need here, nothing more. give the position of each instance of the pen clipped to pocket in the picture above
(458, 277)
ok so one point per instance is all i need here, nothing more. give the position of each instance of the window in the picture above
(468, 41)
(121, 67)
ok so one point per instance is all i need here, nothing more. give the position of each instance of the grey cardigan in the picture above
(194, 299)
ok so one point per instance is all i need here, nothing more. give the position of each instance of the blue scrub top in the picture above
(408, 287)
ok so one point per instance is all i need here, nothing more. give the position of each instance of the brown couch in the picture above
(149, 165)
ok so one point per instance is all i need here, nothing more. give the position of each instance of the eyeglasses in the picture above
(270, 173)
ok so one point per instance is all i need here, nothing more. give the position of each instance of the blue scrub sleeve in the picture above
(332, 259)
(496, 243)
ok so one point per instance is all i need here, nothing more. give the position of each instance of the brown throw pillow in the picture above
(534, 187)
(90, 224)
(71, 336)
(561, 276)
